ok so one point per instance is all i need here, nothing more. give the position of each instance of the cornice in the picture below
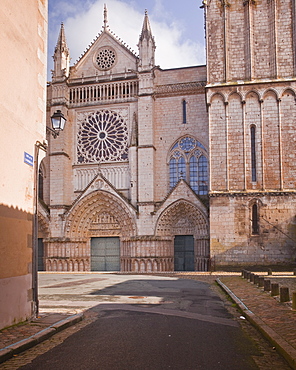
(180, 89)
(252, 194)
(250, 83)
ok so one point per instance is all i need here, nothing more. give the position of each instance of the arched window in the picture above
(253, 153)
(184, 111)
(255, 219)
(40, 184)
(188, 161)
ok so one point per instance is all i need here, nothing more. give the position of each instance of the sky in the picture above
(177, 26)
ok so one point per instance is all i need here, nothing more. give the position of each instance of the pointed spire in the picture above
(146, 29)
(62, 43)
(61, 57)
(105, 17)
(146, 46)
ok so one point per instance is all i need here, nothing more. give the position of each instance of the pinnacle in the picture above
(61, 43)
(146, 29)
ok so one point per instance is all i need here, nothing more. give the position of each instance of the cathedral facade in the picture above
(181, 169)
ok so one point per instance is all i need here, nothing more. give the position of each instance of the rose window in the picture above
(102, 137)
(106, 58)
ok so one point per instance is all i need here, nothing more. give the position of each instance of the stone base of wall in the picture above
(147, 254)
(138, 254)
(232, 241)
(67, 264)
(16, 300)
(254, 267)
(156, 264)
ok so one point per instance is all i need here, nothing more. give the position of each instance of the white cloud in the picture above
(126, 22)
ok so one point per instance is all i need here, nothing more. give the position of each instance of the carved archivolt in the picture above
(100, 214)
(43, 229)
(183, 218)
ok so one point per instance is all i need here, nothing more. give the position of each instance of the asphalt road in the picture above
(146, 322)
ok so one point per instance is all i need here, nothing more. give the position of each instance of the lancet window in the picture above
(255, 219)
(253, 153)
(184, 111)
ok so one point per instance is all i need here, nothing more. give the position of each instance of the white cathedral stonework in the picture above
(182, 169)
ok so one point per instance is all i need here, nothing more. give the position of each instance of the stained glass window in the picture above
(188, 161)
(181, 168)
(202, 175)
(193, 173)
(173, 172)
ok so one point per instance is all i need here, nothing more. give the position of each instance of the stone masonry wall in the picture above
(271, 111)
(232, 241)
(169, 126)
(250, 39)
(251, 67)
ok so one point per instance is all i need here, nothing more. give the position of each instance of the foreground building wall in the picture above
(251, 104)
(23, 46)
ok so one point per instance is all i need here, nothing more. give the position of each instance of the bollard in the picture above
(284, 294)
(294, 271)
(294, 300)
(261, 282)
(248, 275)
(252, 277)
(269, 272)
(256, 279)
(275, 289)
(245, 274)
(267, 285)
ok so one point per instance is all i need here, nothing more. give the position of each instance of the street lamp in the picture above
(58, 123)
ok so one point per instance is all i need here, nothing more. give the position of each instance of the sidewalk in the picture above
(19, 338)
(277, 321)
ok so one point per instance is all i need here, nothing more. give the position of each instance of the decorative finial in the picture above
(105, 16)
(146, 12)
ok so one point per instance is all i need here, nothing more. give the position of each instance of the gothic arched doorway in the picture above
(99, 221)
(188, 225)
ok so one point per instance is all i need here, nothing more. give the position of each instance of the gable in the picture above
(106, 56)
(182, 192)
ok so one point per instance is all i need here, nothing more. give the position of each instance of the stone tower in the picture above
(251, 70)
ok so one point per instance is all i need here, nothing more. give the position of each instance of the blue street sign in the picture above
(28, 158)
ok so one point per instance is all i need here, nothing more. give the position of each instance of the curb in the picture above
(283, 347)
(7, 352)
